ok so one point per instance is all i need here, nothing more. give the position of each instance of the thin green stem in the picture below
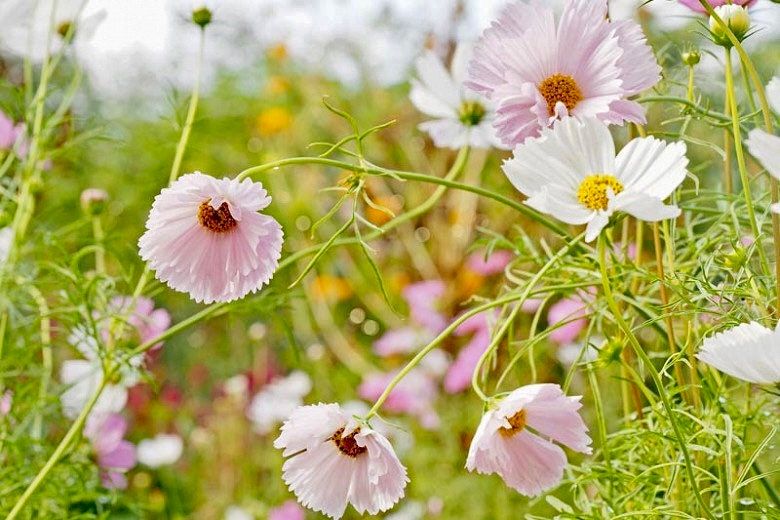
(656, 377)
(100, 247)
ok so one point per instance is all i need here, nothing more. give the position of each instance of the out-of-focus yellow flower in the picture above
(277, 85)
(273, 121)
(468, 282)
(379, 217)
(331, 288)
(277, 52)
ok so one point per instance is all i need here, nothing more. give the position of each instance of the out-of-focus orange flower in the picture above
(379, 217)
(331, 288)
(277, 52)
(273, 121)
(468, 282)
(277, 85)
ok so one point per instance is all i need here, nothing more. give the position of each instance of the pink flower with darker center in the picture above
(459, 375)
(517, 438)
(115, 456)
(290, 510)
(333, 460)
(206, 237)
(536, 70)
(696, 5)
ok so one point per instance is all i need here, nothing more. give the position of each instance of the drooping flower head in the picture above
(115, 456)
(536, 70)
(517, 439)
(695, 5)
(750, 352)
(462, 117)
(572, 173)
(205, 237)
(332, 461)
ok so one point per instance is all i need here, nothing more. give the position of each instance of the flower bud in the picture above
(737, 19)
(93, 201)
(201, 16)
(66, 30)
(691, 58)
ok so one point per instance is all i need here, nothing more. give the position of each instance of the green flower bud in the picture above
(201, 16)
(93, 201)
(691, 58)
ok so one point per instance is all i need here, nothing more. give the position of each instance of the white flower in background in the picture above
(750, 352)
(764, 146)
(579, 352)
(6, 237)
(462, 117)
(163, 449)
(237, 513)
(572, 173)
(82, 377)
(332, 460)
(277, 400)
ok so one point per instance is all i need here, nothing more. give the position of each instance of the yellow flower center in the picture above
(593, 190)
(347, 444)
(217, 220)
(517, 422)
(563, 88)
(471, 113)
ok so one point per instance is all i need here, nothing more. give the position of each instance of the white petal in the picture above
(427, 102)
(651, 166)
(766, 148)
(561, 203)
(643, 207)
(596, 225)
(749, 351)
(436, 78)
(773, 94)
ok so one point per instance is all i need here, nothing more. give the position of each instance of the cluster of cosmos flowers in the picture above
(545, 87)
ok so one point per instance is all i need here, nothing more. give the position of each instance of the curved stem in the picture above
(656, 377)
(71, 434)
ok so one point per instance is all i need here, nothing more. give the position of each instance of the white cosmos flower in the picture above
(162, 450)
(82, 378)
(462, 117)
(277, 400)
(572, 173)
(749, 351)
(764, 146)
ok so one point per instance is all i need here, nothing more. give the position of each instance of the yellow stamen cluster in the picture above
(592, 192)
(563, 88)
(517, 422)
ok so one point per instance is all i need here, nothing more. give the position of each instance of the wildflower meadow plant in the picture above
(553, 293)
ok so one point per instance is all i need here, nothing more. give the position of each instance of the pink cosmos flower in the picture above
(536, 71)
(6, 401)
(459, 375)
(147, 321)
(414, 395)
(495, 263)
(531, 305)
(571, 310)
(696, 5)
(205, 237)
(402, 340)
(333, 461)
(290, 510)
(115, 456)
(515, 439)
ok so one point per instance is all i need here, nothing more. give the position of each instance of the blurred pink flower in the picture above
(12, 134)
(531, 305)
(414, 395)
(573, 308)
(459, 375)
(290, 510)
(529, 462)
(423, 298)
(401, 341)
(696, 5)
(115, 456)
(537, 71)
(206, 237)
(6, 401)
(143, 317)
(332, 461)
(495, 263)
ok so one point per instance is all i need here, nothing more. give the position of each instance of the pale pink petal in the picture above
(696, 5)
(495, 263)
(290, 510)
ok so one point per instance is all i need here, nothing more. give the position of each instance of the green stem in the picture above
(740, 153)
(75, 429)
(100, 249)
(656, 377)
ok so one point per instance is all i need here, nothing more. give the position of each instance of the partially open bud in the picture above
(691, 58)
(93, 201)
(735, 17)
(201, 16)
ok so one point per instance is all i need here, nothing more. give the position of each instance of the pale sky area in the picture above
(144, 47)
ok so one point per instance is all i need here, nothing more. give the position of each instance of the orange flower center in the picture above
(217, 220)
(563, 88)
(517, 424)
(347, 444)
